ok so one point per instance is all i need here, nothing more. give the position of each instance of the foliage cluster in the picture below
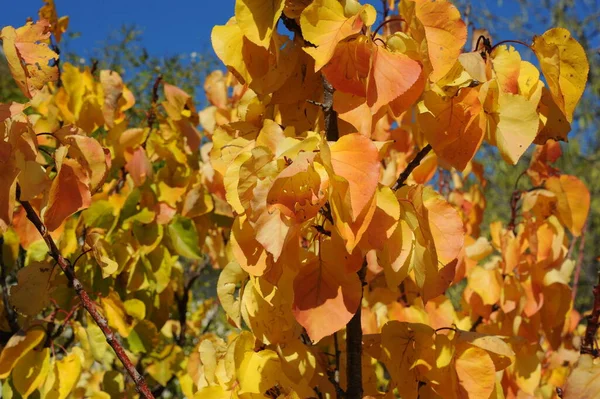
(310, 182)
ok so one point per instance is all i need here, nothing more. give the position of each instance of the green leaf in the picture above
(184, 238)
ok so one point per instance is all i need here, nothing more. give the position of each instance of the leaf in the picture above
(115, 313)
(57, 25)
(326, 295)
(299, 190)
(138, 166)
(506, 63)
(248, 252)
(259, 371)
(257, 19)
(565, 66)
(184, 237)
(32, 292)
(356, 159)
(584, 381)
(444, 33)
(454, 126)
(392, 75)
(573, 201)
(402, 346)
(67, 372)
(229, 279)
(517, 126)
(18, 346)
(31, 370)
(324, 24)
(100, 251)
(28, 56)
(554, 124)
(8, 180)
(68, 193)
(476, 373)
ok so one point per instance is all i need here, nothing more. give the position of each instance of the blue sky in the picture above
(169, 27)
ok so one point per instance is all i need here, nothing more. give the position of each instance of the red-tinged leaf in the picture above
(326, 296)
(356, 159)
(349, 67)
(506, 63)
(138, 166)
(69, 191)
(391, 75)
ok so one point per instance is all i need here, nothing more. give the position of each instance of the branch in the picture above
(411, 166)
(589, 339)
(330, 116)
(354, 347)
(86, 302)
(10, 313)
(334, 375)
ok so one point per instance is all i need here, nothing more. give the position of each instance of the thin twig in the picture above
(331, 123)
(86, 301)
(411, 166)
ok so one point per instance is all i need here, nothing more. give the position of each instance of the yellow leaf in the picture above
(28, 56)
(31, 370)
(324, 24)
(565, 66)
(440, 30)
(100, 251)
(18, 346)
(116, 314)
(257, 19)
(259, 371)
(230, 278)
(517, 126)
(67, 371)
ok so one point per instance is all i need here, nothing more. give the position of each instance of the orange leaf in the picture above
(356, 159)
(392, 75)
(326, 296)
(454, 127)
(573, 201)
(69, 191)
